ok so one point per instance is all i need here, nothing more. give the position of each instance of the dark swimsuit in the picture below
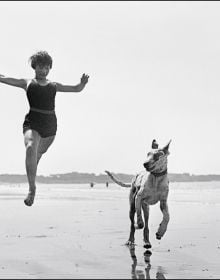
(41, 116)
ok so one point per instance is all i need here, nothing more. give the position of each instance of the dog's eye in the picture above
(158, 155)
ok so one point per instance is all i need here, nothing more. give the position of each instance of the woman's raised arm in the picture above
(22, 83)
(72, 88)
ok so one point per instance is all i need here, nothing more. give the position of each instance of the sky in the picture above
(154, 74)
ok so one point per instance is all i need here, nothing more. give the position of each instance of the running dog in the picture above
(147, 188)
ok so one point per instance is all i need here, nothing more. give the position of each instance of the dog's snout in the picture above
(148, 165)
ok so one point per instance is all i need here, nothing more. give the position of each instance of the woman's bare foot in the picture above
(29, 200)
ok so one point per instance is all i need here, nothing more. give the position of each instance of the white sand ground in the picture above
(79, 232)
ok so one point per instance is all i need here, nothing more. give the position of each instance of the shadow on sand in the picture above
(140, 273)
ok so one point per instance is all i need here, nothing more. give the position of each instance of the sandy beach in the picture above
(74, 231)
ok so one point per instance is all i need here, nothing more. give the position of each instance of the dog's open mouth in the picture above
(149, 168)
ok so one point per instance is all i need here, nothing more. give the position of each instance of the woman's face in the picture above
(42, 71)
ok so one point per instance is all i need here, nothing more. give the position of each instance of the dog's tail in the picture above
(124, 185)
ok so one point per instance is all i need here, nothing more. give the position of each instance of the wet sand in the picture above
(74, 231)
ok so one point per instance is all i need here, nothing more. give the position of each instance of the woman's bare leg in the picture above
(43, 146)
(31, 141)
(36, 146)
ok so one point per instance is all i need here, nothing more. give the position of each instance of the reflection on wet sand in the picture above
(140, 274)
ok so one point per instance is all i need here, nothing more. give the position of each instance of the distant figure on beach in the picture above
(91, 184)
(40, 124)
(107, 184)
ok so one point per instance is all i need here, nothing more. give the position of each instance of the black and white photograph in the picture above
(109, 148)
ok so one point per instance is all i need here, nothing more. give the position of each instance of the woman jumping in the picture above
(40, 124)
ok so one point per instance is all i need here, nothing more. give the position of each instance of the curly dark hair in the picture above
(41, 57)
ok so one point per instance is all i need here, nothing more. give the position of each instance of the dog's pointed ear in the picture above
(154, 144)
(166, 148)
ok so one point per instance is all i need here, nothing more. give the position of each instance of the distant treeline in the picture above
(84, 178)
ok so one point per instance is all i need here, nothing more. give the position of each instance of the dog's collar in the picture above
(159, 174)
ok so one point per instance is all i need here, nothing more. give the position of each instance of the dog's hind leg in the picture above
(166, 217)
(130, 241)
(146, 209)
(138, 205)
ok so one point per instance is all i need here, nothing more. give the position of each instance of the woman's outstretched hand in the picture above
(84, 79)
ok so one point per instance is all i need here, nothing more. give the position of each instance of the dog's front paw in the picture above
(158, 236)
(147, 245)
